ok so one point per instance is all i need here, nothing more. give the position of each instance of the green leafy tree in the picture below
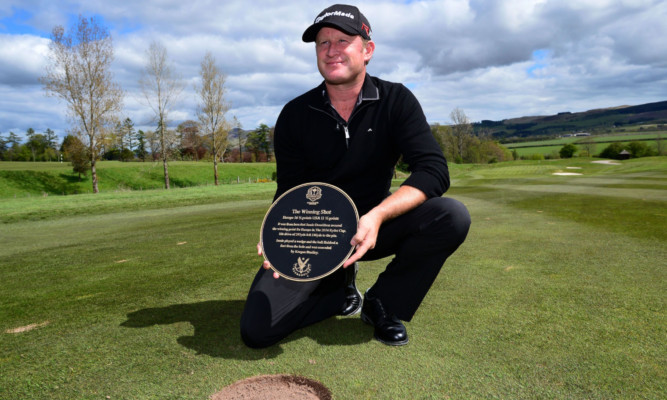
(140, 151)
(639, 149)
(258, 141)
(76, 152)
(13, 143)
(567, 151)
(30, 133)
(129, 133)
(3, 148)
(612, 151)
(51, 142)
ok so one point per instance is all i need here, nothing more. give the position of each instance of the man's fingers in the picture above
(266, 264)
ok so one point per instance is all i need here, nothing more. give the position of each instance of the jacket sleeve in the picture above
(288, 152)
(419, 149)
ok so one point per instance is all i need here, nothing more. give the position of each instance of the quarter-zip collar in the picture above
(368, 92)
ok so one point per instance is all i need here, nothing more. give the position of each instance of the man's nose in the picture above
(332, 50)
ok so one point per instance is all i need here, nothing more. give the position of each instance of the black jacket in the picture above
(310, 144)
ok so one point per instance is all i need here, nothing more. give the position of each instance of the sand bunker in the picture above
(566, 173)
(608, 162)
(274, 387)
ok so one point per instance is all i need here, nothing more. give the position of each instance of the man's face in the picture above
(341, 58)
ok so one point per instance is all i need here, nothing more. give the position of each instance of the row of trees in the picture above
(125, 143)
(615, 151)
(37, 147)
(79, 73)
(461, 145)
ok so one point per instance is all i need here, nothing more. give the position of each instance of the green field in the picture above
(559, 292)
(25, 179)
(552, 146)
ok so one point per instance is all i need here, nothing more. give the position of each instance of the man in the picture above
(350, 132)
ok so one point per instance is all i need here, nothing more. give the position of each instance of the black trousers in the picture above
(421, 241)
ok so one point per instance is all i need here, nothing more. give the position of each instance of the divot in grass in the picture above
(28, 328)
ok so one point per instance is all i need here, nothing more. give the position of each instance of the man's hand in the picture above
(266, 264)
(403, 200)
(366, 236)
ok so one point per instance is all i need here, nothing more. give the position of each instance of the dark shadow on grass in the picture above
(217, 329)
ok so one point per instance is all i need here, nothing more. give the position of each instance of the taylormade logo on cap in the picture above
(343, 17)
(332, 14)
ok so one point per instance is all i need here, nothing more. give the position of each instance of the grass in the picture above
(557, 293)
(27, 179)
(552, 146)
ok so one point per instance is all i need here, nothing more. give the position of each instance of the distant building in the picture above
(624, 155)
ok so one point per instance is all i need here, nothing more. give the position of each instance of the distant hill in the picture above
(593, 121)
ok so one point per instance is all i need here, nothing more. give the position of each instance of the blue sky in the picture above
(493, 59)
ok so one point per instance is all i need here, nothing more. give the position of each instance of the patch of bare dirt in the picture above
(274, 387)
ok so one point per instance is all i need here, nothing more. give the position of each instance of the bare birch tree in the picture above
(212, 108)
(78, 72)
(462, 132)
(161, 88)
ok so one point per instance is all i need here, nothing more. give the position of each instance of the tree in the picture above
(78, 72)
(191, 143)
(51, 139)
(153, 143)
(140, 151)
(30, 134)
(75, 151)
(212, 109)
(462, 132)
(126, 134)
(612, 151)
(567, 151)
(589, 148)
(3, 148)
(13, 143)
(237, 127)
(639, 149)
(161, 88)
(258, 141)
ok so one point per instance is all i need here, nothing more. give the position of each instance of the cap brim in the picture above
(310, 34)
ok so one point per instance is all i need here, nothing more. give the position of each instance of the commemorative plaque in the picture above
(307, 231)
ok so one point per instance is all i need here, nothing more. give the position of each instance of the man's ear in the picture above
(368, 51)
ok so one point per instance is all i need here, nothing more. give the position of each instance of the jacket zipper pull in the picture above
(347, 136)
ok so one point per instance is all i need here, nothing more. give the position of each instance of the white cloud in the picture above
(493, 59)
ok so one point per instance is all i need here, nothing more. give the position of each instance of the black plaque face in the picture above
(306, 233)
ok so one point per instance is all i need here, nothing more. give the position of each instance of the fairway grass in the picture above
(558, 292)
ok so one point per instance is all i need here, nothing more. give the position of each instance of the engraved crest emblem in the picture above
(314, 193)
(301, 267)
